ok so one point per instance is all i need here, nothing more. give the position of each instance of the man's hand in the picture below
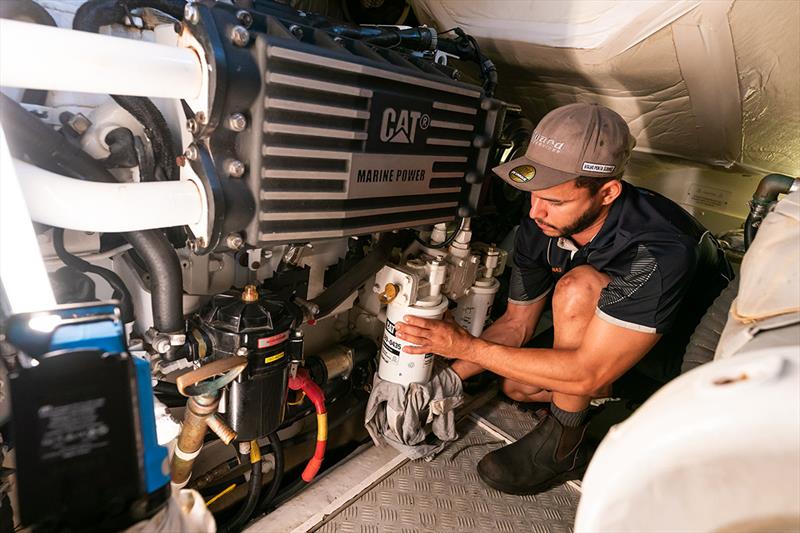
(442, 337)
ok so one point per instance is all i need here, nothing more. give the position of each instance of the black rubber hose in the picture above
(704, 340)
(277, 476)
(750, 230)
(166, 278)
(766, 193)
(96, 13)
(355, 277)
(121, 292)
(28, 10)
(155, 128)
(47, 147)
(253, 494)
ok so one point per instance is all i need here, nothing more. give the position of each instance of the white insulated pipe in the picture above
(34, 56)
(70, 203)
(22, 269)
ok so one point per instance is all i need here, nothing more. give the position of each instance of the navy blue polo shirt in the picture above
(648, 245)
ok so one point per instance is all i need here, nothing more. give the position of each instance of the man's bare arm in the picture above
(607, 351)
(514, 328)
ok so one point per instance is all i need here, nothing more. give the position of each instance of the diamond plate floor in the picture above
(446, 495)
(505, 416)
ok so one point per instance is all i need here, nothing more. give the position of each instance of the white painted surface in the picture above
(67, 60)
(107, 207)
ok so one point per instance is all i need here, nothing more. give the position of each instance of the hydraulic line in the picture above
(277, 475)
(253, 492)
(302, 381)
(121, 292)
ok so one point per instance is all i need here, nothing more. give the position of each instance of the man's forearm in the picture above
(551, 369)
(505, 332)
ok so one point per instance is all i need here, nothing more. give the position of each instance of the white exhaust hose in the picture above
(80, 205)
(60, 59)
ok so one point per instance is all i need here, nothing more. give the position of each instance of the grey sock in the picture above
(569, 418)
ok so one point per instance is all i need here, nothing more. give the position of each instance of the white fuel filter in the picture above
(474, 308)
(396, 365)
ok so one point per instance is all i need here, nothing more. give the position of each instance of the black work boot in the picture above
(547, 456)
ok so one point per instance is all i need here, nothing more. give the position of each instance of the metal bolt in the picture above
(197, 244)
(240, 36)
(242, 351)
(245, 18)
(191, 14)
(201, 117)
(237, 122)
(79, 123)
(235, 168)
(191, 125)
(296, 30)
(338, 40)
(266, 254)
(234, 241)
(191, 153)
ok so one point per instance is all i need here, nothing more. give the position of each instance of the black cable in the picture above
(121, 292)
(447, 242)
(253, 494)
(277, 476)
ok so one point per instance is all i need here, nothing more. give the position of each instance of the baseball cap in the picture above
(570, 141)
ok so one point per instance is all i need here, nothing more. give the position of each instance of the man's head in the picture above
(572, 166)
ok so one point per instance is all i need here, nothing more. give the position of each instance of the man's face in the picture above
(565, 209)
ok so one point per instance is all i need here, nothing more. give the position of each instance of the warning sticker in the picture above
(72, 430)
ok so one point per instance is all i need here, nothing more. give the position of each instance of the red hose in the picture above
(302, 381)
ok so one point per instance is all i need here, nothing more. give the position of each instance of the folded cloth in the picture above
(402, 416)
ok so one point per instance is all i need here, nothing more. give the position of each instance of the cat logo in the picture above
(400, 126)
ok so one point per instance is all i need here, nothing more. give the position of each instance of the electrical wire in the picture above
(221, 494)
(121, 292)
(448, 241)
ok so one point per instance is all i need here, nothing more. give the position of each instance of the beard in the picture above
(584, 221)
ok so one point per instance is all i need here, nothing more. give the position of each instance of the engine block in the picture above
(345, 138)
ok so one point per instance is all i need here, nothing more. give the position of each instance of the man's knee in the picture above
(579, 289)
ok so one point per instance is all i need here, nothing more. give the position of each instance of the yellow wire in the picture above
(300, 398)
(221, 494)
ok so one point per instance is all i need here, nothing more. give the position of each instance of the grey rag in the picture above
(402, 416)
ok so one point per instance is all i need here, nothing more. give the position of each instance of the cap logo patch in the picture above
(597, 167)
(546, 142)
(522, 174)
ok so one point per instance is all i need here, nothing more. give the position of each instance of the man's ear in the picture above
(610, 191)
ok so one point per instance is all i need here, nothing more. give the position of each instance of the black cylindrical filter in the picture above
(259, 327)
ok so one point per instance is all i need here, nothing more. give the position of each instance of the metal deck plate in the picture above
(510, 419)
(447, 495)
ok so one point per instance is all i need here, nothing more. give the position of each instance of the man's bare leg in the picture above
(574, 302)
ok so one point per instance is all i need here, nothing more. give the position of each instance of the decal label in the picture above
(379, 175)
(266, 342)
(273, 358)
(597, 167)
(522, 173)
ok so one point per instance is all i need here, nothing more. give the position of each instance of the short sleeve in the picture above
(647, 293)
(531, 276)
